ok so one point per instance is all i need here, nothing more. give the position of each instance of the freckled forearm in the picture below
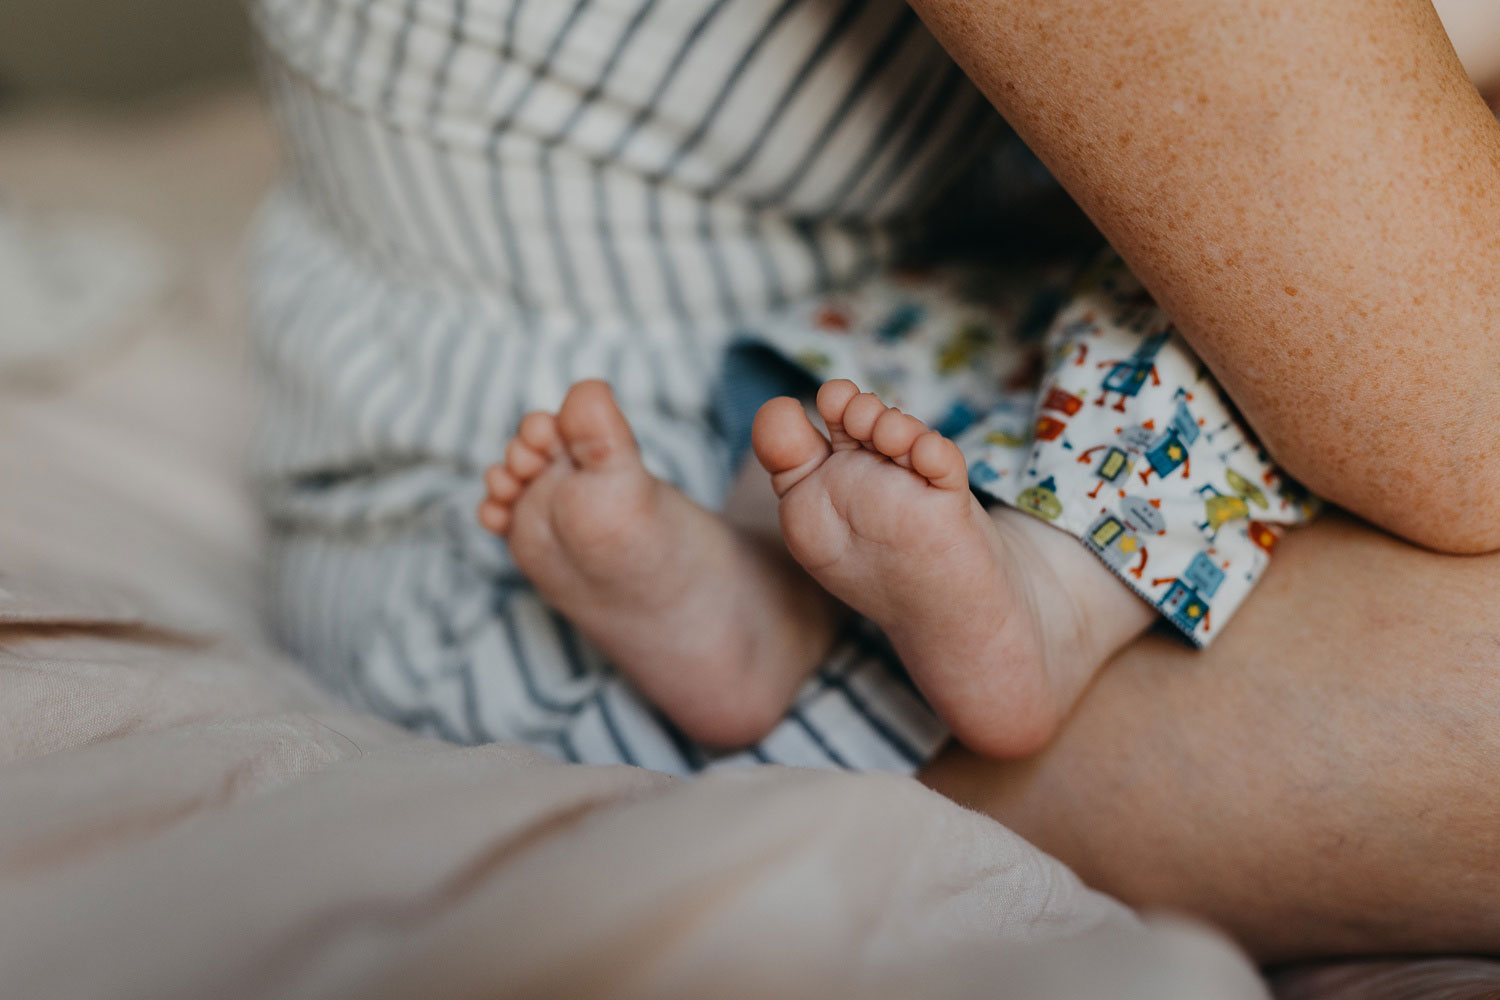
(1311, 190)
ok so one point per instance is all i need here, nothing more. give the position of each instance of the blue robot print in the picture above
(1165, 455)
(1186, 601)
(1183, 421)
(1126, 377)
(959, 418)
(899, 323)
(1170, 451)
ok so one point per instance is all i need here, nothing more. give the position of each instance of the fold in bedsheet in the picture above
(190, 822)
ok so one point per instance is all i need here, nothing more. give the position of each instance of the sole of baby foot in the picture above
(667, 590)
(1001, 620)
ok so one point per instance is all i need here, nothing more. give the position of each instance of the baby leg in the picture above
(716, 626)
(1001, 619)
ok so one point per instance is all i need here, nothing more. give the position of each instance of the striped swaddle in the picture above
(487, 200)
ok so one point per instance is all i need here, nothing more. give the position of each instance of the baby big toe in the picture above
(592, 427)
(786, 443)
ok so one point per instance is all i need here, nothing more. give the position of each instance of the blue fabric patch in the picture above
(753, 374)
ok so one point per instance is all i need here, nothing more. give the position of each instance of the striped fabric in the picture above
(487, 200)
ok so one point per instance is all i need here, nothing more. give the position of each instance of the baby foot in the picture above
(1001, 620)
(669, 592)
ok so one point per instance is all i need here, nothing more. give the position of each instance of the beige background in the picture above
(118, 49)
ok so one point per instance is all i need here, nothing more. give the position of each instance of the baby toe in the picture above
(539, 430)
(594, 430)
(834, 398)
(503, 487)
(494, 517)
(938, 460)
(860, 416)
(523, 461)
(894, 433)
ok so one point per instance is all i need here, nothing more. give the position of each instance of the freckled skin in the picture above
(1321, 780)
(1312, 191)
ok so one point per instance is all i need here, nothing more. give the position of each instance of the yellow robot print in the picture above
(1041, 500)
(814, 361)
(1220, 508)
(966, 345)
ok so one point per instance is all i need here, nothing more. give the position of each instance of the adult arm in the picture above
(1312, 191)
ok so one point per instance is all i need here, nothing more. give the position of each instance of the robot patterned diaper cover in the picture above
(1078, 402)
